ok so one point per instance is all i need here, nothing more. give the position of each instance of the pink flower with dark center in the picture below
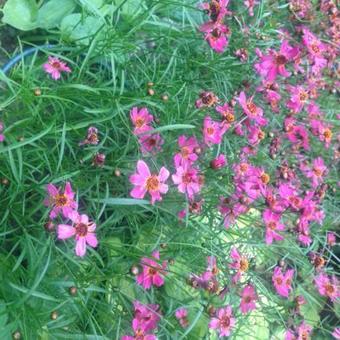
(272, 222)
(274, 63)
(217, 9)
(316, 172)
(82, 229)
(151, 143)
(148, 315)
(181, 315)
(206, 99)
(60, 202)
(219, 162)
(216, 34)
(153, 272)
(212, 131)
(253, 112)
(283, 281)
(256, 135)
(141, 118)
(92, 137)
(298, 98)
(54, 67)
(145, 182)
(248, 298)
(327, 286)
(240, 263)
(187, 154)
(331, 238)
(140, 332)
(223, 321)
(270, 94)
(227, 113)
(187, 180)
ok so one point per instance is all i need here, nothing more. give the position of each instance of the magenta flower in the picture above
(2, 136)
(82, 229)
(283, 281)
(217, 9)
(60, 202)
(54, 67)
(302, 332)
(253, 112)
(187, 180)
(153, 272)
(213, 131)
(298, 98)
(140, 119)
(145, 182)
(272, 222)
(336, 333)
(331, 238)
(248, 298)
(139, 332)
(148, 315)
(327, 286)
(316, 173)
(151, 143)
(181, 315)
(216, 34)
(274, 63)
(240, 263)
(92, 137)
(250, 6)
(187, 154)
(219, 162)
(223, 321)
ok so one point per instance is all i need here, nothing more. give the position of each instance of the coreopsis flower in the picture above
(92, 137)
(301, 8)
(54, 67)
(283, 281)
(216, 9)
(139, 332)
(187, 153)
(297, 134)
(273, 63)
(82, 229)
(336, 333)
(248, 298)
(256, 135)
(144, 182)
(253, 112)
(213, 131)
(187, 180)
(270, 94)
(153, 273)
(322, 131)
(273, 224)
(331, 238)
(60, 202)
(206, 99)
(98, 159)
(302, 332)
(242, 54)
(223, 321)
(141, 118)
(327, 286)
(2, 136)
(240, 263)
(316, 173)
(181, 315)
(216, 35)
(298, 98)
(148, 315)
(219, 162)
(250, 6)
(151, 143)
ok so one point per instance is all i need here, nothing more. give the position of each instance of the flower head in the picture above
(141, 118)
(223, 321)
(248, 298)
(283, 281)
(240, 263)
(213, 131)
(327, 286)
(253, 112)
(272, 222)
(144, 182)
(82, 229)
(54, 67)
(92, 137)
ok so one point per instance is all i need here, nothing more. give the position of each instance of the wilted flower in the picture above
(92, 137)
(218, 162)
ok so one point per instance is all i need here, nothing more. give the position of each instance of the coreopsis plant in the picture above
(190, 154)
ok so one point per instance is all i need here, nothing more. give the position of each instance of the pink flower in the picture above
(298, 98)
(336, 333)
(216, 34)
(327, 286)
(218, 162)
(187, 153)
(54, 67)
(331, 239)
(316, 173)
(2, 137)
(145, 182)
(60, 202)
(223, 321)
(181, 315)
(248, 298)
(206, 99)
(187, 180)
(153, 272)
(151, 143)
(272, 222)
(274, 63)
(212, 131)
(140, 332)
(92, 137)
(140, 119)
(217, 9)
(82, 229)
(240, 263)
(253, 112)
(304, 331)
(147, 315)
(283, 281)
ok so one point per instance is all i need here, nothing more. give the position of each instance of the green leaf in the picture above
(21, 14)
(123, 201)
(53, 12)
